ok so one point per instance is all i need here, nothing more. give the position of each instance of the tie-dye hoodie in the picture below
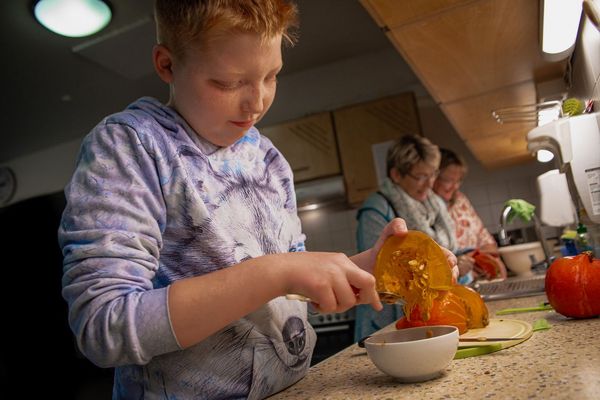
(151, 202)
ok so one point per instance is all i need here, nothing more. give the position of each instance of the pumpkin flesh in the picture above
(448, 309)
(414, 268)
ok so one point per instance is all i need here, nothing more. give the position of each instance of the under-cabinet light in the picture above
(544, 155)
(560, 23)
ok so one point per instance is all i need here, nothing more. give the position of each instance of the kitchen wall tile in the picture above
(478, 194)
(341, 239)
(353, 245)
(319, 242)
(351, 216)
(353, 220)
(328, 230)
(488, 218)
(523, 188)
(498, 191)
(349, 252)
(314, 221)
(338, 220)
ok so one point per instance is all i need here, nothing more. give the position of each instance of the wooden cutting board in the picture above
(498, 327)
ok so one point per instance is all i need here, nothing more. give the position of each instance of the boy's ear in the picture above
(163, 62)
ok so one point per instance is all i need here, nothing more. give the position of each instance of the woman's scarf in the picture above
(430, 216)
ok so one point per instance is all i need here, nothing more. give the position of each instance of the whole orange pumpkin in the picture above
(573, 286)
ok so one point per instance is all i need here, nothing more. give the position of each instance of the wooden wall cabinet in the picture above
(361, 126)
(308, 144)
(473, 56)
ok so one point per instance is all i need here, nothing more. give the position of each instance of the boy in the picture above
(180, 236)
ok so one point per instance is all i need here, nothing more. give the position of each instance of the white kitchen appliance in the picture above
(575, 142)
(556, 204)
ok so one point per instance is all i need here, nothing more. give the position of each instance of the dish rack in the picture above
(527, 112)
(511, 287)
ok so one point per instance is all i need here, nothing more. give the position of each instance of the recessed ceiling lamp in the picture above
(559, 26)
(73, 18)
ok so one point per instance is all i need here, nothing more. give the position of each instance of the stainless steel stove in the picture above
(334, 331)
(332, 322)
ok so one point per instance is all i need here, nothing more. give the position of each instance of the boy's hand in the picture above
(331, 280)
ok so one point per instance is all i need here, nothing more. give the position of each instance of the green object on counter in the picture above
(541, 307)
(568, 234)
(519, 208)
(582, 241)
(477, 350)
(541, 325)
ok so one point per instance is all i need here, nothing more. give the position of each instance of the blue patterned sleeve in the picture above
(110, 235)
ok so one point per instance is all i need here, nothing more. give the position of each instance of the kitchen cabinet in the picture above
(361, 126)
(474, 57)
(308, 144)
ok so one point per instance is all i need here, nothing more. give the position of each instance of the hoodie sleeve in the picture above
(110, 235)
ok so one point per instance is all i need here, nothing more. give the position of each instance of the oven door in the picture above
(335, 332)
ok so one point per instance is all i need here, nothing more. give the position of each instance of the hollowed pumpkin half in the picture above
(460, 306)
(477, 312)
(415, 268)
(448, 309)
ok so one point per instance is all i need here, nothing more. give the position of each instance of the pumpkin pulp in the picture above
(415, 268)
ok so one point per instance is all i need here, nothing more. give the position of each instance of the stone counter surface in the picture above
(560, 363)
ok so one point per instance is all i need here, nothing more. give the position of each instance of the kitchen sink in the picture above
(511, 287)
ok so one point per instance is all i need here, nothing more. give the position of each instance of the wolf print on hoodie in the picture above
(151, 202)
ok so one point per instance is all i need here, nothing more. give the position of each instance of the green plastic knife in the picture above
(477, 351)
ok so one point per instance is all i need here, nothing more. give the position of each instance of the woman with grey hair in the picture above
(412, 167)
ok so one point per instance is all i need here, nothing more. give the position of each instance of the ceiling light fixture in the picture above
(73, 18)
(559, 26)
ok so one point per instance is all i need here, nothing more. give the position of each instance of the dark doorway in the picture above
(38, 358)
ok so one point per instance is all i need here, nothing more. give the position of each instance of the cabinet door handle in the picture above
(300, 169)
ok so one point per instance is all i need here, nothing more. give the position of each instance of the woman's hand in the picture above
(367, 259)
(452, 263)
(466, 264)
(396, 227)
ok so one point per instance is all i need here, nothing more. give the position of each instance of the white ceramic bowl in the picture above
(518, 257)
(414, 354)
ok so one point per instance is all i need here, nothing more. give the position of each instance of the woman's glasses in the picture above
(424, 178)
(449, 182)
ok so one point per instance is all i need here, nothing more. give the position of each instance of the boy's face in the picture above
(226, 89)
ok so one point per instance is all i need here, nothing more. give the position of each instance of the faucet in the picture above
(504, 239)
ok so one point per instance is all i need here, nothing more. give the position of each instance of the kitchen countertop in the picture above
(562, 362)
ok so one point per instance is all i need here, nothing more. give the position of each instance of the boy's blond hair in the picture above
(181, 24)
